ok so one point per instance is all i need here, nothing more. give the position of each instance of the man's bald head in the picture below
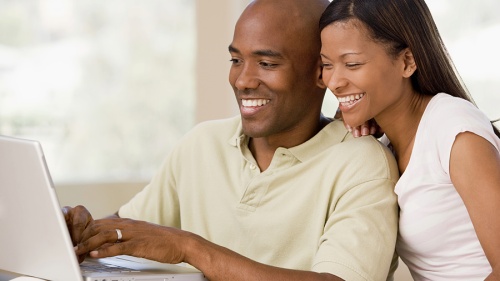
(298, 19)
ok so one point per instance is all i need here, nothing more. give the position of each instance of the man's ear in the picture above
(409, 63)
(319, 75)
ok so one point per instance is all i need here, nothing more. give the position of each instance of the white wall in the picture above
(215, 98)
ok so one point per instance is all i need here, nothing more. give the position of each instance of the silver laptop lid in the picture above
(34, 240)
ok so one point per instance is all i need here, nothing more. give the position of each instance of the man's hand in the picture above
(139, 239)
(77, 219)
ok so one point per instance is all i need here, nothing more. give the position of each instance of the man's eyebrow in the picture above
(233, 49)
(262, 53)
(268, 53)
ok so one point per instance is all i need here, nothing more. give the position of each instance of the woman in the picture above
(385, 60)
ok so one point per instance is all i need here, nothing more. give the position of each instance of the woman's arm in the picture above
(475, 173)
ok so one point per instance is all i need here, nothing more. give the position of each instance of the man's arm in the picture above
(219, 263)
(171, 245)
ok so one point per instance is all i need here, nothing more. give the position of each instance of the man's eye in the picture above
(235, 61)
(267, 64)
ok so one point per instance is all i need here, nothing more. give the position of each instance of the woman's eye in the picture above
(326, 65)
(353, 64)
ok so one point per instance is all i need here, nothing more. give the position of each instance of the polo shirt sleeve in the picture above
(158, 201)
(361, 230)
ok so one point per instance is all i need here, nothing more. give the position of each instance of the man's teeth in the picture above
(350, 99)
(254, 102)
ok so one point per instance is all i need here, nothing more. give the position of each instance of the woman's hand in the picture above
(370, 127)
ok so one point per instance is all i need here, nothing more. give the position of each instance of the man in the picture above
(277, 193)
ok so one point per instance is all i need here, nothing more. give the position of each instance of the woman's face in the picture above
(366, 80)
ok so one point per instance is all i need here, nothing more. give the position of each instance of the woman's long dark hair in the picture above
(404, 24)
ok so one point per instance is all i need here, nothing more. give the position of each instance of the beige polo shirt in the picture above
(326, 205)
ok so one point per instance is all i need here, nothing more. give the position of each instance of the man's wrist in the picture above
(194, 249)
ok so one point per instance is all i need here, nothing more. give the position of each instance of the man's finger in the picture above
(108, 250)
(97, 239)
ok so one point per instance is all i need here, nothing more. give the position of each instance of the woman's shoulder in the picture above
(445, 111)
(444, 118)
(445, 103)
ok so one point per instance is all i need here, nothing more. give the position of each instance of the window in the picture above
(106, 86)
(469, 29)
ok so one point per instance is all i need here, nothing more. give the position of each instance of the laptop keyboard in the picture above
(90, 267)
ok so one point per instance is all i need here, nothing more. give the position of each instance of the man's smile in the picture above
(254, 102)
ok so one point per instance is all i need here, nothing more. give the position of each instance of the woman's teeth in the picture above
(350, 99)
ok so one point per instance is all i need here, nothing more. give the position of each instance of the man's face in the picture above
(273, 77)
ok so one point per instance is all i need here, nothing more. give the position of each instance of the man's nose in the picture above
(247, 78)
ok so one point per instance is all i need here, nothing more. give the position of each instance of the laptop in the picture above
(34, 239)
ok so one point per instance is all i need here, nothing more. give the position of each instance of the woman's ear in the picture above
(319, 74)
(409, 63)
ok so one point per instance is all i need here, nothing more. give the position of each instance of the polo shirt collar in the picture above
(331, 134)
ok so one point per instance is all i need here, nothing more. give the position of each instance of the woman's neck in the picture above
(400, 124)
